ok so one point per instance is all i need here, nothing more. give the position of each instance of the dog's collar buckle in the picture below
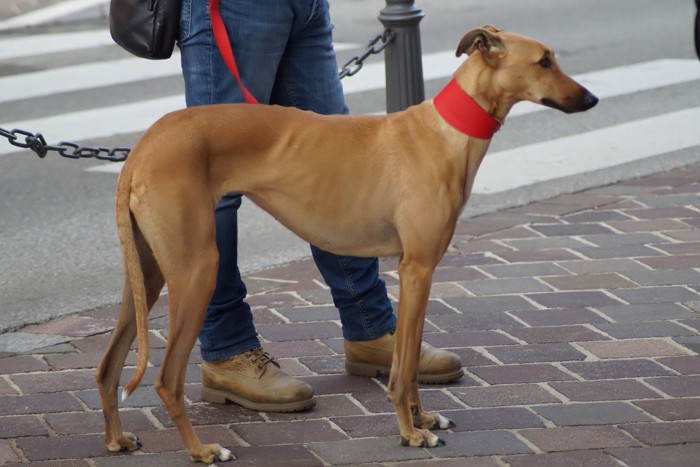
(463, 113)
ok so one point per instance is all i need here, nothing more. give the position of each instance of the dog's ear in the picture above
(483, 39)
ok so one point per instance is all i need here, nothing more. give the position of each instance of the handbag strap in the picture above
(224, 44)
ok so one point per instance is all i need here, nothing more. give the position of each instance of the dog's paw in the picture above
(442, 423)
(421, 439)
(432, 421)
(210, 453)
(225, 455)
(126, 442)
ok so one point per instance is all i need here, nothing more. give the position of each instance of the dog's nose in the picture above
(590, 100)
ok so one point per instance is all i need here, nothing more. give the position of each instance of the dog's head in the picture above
(526, 69)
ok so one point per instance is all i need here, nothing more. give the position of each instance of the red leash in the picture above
(224, 44)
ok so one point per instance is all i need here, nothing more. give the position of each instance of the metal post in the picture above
(404, 66)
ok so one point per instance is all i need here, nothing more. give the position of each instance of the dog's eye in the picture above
(545, 62)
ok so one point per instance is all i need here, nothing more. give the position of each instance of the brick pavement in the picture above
(576, 318)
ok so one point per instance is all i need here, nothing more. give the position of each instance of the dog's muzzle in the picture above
(585, 102)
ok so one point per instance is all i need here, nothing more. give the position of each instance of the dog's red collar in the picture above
(462, 112)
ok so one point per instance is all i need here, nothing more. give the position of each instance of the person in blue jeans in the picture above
(284, 52)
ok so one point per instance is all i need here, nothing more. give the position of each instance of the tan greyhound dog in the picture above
(352, 185)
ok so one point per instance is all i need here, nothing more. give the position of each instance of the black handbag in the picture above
(145, 28)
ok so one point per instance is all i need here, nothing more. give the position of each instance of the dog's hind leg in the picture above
(191, 262)
(110, 369)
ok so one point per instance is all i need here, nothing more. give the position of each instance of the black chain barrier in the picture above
(36, 142)
(375, 46)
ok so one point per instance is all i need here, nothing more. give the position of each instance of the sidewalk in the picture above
(576, 318)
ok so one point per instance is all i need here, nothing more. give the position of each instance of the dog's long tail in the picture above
(132, 264)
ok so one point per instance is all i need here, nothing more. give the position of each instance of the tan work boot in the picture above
(367, 358)
(254, 380)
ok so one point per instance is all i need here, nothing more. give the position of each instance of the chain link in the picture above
(36, 142)
(375, 46)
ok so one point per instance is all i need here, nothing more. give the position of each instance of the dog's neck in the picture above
(463, 113)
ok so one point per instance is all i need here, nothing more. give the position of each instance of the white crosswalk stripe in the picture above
(50, 13)
(528, 164)
(599, 149)
(38, 44)
(75, 78)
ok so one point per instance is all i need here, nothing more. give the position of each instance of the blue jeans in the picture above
(284, 52)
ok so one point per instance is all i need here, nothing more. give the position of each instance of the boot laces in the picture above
(259, 357)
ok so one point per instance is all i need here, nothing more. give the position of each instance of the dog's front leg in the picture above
(415, 279)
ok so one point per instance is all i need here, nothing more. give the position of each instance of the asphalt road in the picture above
(58, 248)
